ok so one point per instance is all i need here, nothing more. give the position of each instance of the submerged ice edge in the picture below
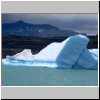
(71, 53)
(30, 63)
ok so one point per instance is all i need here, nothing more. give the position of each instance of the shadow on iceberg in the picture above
(74, 54)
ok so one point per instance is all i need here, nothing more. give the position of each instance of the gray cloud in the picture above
(85, 23)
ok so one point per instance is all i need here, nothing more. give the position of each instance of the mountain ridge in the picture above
(22, 28)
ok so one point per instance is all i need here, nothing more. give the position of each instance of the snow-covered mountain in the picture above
(21, 28)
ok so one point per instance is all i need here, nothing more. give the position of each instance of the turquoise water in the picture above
(36, 76)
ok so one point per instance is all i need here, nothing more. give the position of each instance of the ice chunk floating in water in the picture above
(71, 53)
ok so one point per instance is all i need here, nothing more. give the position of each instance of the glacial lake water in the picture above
(37, 76)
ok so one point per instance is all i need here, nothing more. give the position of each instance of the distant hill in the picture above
(21, 28)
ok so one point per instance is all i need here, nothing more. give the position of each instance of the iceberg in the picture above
(71, 53)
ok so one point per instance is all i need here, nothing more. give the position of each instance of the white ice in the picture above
(71, 53)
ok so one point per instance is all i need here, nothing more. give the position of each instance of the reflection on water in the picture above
(37, 76)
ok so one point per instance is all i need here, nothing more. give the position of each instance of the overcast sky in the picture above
(84, 23)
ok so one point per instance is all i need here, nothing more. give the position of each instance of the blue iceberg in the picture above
(71, 53)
